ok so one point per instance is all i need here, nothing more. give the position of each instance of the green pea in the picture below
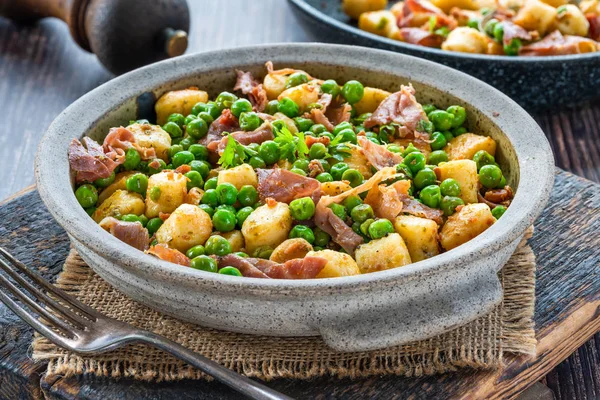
(181, 158)
(257, 162)
(143, 219)
(339, 210)
(175, 141)
(356, 228)
(249, 121)
(227, 193)
(473, 23)
(288, 107)
(197, 129)
(201, 166)
(364, 227)
(189, 119)
(207, 209)
(380, 228)
(424, 177)
(460, 115)
(269, 152)
(224, 220)
(386, 134)
(415, 162)
(302, 209)
(241, 106)
(242, 214)
(498, 32)
(362, 118)
(301, 164)
(331, 87)
(410, 149)
(90, 211)
(351, 202)
(431, 196)
(206, 117)
(173, 129)
(512, 49)
(298, 171)
(425, 126)
(459, 131)
(394, 148)
(225, 100)
(177, 118)
(247, 196)
(450, 187)
(195, 180)
(502, 183)
(199, 151)
(490, 176)
(132, 159)
(87, 195)
(442, 120)
(498, 211)
(104, 182)
(241, 254)
(448, 135)
(317, 151)
(295, 79)
(361, 213)
(354, 177)
(439, 141)
(195, 251)
(198, 108)
(348, 135)
(427, 108)
(318, 128)
(174, 149)
(324, 177)
(211, 183)
(137, 183)
(210, 197)
(186, 142)
(322, 238)
(272, 107)
(404, 170)
(449, 204)
(229, 270)
(304, 232)
(438, 156)
(153, 225)
(489, 26)
(341, 126)
(326, 134)
(204, 263)
(154, 193)
(353, 91)
(337, 170)
(213, 109)
(303, 124)
(226, 207)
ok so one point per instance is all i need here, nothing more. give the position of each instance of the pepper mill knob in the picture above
(124, 34)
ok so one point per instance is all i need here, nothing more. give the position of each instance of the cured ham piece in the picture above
(337, 115)
(417, 12)
(259, 135)
(400, 107)
(120, 139)
(298, 268)
(310, 140)
(253, 88)
(386, 201)
(132, 233)
(284, 186)
(319, 117)
(514, 31)
(413, 207)
(555, 44)
(90, 162)
(421, 37)
(377, 155)
(594, 21)
(227, 122)
(164, 253)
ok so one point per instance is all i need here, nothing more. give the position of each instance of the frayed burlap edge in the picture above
(479, 344)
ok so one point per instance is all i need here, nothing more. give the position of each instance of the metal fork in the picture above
(70, 324)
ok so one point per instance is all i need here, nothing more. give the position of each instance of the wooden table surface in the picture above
(42, 71)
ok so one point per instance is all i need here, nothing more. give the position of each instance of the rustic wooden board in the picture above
(566, 242)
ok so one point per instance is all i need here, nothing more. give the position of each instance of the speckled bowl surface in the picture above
(352, 313)
(536, 83)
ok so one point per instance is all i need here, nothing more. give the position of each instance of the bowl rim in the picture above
(532, 150)
(313, 12)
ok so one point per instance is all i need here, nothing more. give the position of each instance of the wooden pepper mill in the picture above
(124, 34)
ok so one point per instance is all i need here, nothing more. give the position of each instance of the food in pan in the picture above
(293, 177)
(498, 27)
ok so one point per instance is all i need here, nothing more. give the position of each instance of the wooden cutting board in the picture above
(567, 313)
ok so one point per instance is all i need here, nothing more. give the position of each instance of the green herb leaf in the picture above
(234, 154)
(292, 146)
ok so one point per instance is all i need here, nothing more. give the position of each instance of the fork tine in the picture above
(34, 322)
(90, 312)
(38, 294)
(58, 323)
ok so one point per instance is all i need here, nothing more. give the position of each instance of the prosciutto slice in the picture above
(421, 37)
(555, 44)
(253, 88)
(337, 115)
(514, 31)
(377, 155)
(164, 253)
(386, 201)
(259, 135)
(594, 21)
(400, 107)
(132, 233)
(413, 207)
(417, 12)
(90, 162)
(298, 268)
(319, 117)
(285, 186)
(227, 122)
(120, 139)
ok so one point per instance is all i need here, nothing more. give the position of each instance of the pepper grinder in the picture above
(124, 34)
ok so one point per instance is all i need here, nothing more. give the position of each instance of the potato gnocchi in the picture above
(295, 177)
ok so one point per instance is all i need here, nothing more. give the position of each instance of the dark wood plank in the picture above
(568, 301)
(42, 71)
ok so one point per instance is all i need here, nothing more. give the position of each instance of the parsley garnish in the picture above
(292, 146)
(233, 155)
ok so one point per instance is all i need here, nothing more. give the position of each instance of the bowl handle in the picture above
(419, 316)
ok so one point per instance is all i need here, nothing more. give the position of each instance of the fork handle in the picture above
(240, 383)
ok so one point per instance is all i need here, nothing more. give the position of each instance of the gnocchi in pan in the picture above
(293, 177)
(497, 27)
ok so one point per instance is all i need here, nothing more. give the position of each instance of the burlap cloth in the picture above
(479, 344)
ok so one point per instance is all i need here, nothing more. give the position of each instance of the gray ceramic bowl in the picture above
(534, 82)
(353, 313)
